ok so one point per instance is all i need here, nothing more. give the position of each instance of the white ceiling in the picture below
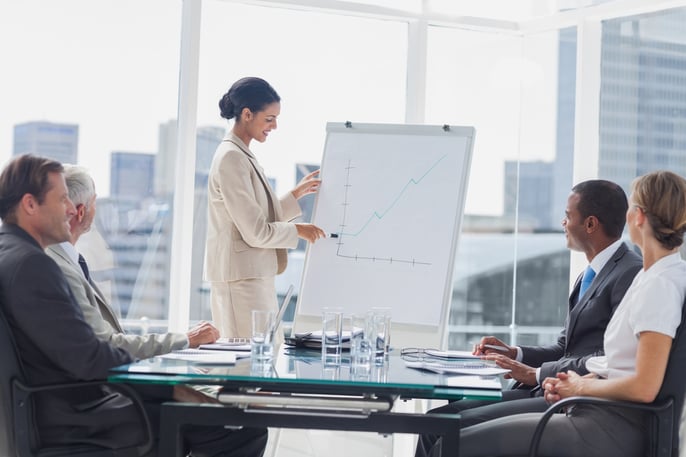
(517, 16)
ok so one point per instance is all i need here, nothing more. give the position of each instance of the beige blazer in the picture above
(248, 230)
(102, 318)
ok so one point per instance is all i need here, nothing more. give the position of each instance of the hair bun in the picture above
(226, 107)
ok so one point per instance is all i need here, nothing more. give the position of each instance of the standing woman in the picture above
(637, 344)
(249, 229)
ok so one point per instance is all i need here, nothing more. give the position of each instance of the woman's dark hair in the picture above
(26, 174)
(606, 201)
(250, 92)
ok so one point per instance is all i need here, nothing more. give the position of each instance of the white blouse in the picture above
(652, 303)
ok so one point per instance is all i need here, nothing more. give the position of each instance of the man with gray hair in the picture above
(92, 301)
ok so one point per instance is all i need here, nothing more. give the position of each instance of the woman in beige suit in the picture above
(249, 229)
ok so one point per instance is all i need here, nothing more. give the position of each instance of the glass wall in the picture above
(512, 267)
(323, 74)
(90, 83)
(643, 96)
(96, 83)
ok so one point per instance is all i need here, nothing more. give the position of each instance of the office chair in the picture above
(19, 434)
(664, 412)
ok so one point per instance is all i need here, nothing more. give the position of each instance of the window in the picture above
(511, 256)
(90, 84)
(324, 73)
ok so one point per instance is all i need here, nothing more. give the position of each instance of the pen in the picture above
(495, 347)
(332, 235)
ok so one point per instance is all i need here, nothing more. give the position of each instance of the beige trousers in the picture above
(232, 303)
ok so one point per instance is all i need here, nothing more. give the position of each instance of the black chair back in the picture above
(663, 414)
(673, 388)
(10, 368)
(18, 433)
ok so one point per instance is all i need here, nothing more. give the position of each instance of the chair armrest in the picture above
(558, 406)
(24, 421)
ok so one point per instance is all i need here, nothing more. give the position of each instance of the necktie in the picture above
(586, 280)
(84, 267)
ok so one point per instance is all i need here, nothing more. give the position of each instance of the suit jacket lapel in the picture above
(600, 278)
(105, 310)
(273, 207)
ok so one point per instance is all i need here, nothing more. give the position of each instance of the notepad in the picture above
(465, 368)
(204, 356)
(228, 344)
(451, 354)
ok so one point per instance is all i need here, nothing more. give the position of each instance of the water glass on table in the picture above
(360, 346)
(379, 327)
(332, 336)
(261, 344)
(386, 313)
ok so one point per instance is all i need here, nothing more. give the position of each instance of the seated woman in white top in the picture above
(637, 344)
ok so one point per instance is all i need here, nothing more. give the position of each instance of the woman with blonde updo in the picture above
(637, 344)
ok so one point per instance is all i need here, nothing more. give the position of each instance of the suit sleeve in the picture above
(290, 206)
(536, 356)
(551, 359)
(139, 346)
(234, 173)
(46, 311)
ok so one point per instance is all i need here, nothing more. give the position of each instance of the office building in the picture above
(307, 202)
(643, 74)
(529, 193)
(48, 139)
(642, 103)
(207, 140)
(164, 161)
(136, 227)
(132, 175)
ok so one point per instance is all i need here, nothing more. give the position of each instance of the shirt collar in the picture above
(662, 264)
(71, 251)
(604, 256)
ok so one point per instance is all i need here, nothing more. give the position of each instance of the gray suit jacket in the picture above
(102, 318)
(582, 336)
(248, 231)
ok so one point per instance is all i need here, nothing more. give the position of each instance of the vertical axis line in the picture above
(345, 204)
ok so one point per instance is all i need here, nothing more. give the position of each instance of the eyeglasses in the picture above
(441, 359)
(416, 354)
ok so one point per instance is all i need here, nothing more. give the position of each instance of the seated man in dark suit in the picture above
(594, 221)
(54, 341)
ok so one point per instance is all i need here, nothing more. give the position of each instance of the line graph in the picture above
(376, 215)
(394, 194)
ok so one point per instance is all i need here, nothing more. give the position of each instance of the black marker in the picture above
(332, 235)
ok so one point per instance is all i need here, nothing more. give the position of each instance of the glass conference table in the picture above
(298, 391)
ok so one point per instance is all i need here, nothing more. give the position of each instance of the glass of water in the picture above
(332, 336)
(261, 344)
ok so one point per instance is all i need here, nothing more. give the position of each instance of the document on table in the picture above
(464, 368)
(206, 356)
(228, 344)
(451, 354)
(313, 340)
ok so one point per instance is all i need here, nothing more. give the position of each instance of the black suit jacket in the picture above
(56, 345)
(582, 336)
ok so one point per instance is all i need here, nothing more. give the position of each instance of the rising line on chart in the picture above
(378, 215)
(381, 215)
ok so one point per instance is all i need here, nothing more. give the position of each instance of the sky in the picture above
(111, 66)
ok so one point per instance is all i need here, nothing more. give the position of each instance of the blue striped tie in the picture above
(586, 280)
